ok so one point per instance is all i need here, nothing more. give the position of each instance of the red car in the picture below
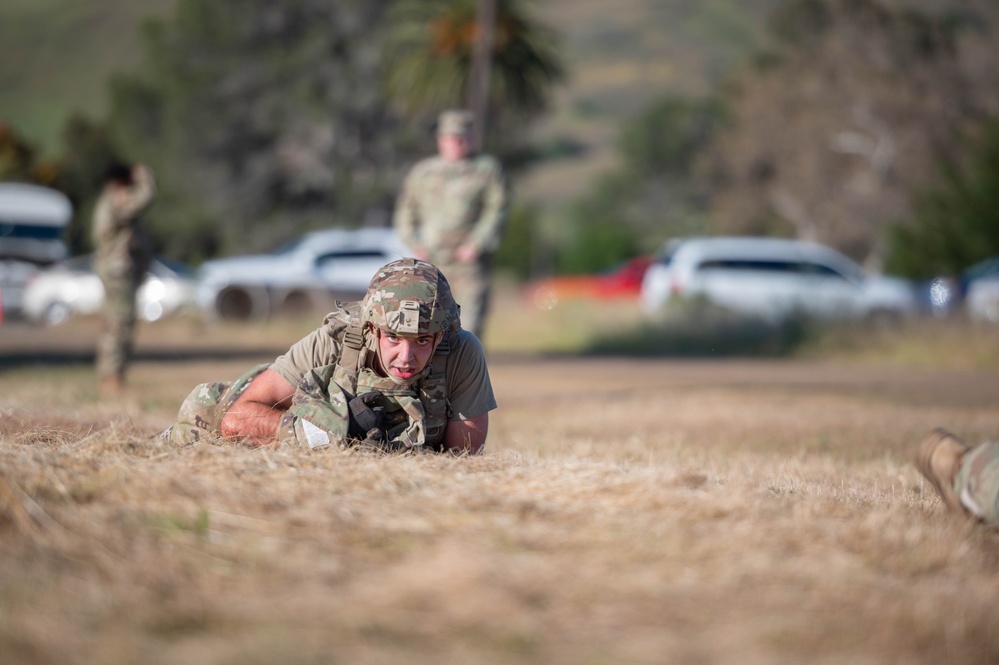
(623, 281)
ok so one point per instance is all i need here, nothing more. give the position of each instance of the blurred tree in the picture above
(429, 53)
(87, 150)
(836, 126)
(19, 160)
(955, 223)
(653, 195)
(261, 120)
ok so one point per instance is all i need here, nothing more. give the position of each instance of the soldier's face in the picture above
(453, 147)
(404, 356)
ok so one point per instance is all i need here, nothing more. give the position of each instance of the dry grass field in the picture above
(627, 511)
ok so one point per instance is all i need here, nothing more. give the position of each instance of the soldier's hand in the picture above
(366, 414)
(466, 253)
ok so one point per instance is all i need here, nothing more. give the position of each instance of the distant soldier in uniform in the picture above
(393, 372)
(452, 212)
(121, 259)
(966, 478)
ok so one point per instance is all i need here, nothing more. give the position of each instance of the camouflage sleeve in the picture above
(470, 391)
(405, 219)
(137, 197)
(317, 349)
(489, 228)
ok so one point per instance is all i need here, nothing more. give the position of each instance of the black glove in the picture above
(366, 414)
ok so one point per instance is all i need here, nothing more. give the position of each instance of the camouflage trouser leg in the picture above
(115, 344)
(470, 286)
(977, 483)
(200, 415)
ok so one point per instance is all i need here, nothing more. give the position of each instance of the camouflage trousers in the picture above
(977, 482)
(115, 344)
(470, 286)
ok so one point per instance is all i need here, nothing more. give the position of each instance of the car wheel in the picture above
(296, 303)
(57, 312)
(240, 304)
(884, 318)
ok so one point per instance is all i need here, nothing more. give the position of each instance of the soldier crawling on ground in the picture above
(966, 478)
(394, 372)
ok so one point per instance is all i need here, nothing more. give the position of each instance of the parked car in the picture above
(72, 288)
(32, 221)
(623, 281)
(310, 271)
(981, 290)
(772, 277)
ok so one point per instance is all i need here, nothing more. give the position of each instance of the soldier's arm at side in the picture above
(492, 220)
(466, 435)
(404, 219)
(255, 415)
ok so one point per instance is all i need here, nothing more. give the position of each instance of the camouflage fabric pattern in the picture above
(471, 286)
(121, 245)
(200, 415)
(319, 415)
(410, 297)
(977, 482)
(445, 205)
(115, 343)
(121, 259)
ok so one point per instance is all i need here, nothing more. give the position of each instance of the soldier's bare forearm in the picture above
(254, 417)
(252, 422)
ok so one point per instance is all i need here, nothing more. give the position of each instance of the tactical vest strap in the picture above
(433, 393)
(350, 355)
(345, 327)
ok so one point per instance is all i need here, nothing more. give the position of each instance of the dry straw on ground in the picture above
(652, 511)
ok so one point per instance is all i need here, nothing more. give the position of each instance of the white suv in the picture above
(772, 277)
(305, 274)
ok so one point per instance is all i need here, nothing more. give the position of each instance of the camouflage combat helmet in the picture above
(411, 297)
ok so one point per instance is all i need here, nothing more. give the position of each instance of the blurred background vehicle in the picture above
(772, 277)
(32, 220)
(309, 272)
(622, 281)
(72, 288)
(980, 285)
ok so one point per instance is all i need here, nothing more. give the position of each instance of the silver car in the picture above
(307, 273)
(72, 288)
(772, 277)
(981, 296)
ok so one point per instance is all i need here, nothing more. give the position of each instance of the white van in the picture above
(770, 278)
(32, 222)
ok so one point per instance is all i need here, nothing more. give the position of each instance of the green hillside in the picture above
(56, 55)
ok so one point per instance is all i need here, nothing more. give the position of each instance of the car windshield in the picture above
(288, 247)
(985, 268)
(174, 266)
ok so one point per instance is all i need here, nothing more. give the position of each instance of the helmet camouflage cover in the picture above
(410, 297)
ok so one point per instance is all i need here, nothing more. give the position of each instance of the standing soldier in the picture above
(121, 259)
(452, 211)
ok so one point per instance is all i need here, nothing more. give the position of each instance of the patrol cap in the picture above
(455, 122)
(411, 297)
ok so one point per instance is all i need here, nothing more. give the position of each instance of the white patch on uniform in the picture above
(315, 436)
(970, 503)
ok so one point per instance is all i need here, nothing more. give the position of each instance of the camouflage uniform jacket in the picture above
(446, 204)
(122, 248)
